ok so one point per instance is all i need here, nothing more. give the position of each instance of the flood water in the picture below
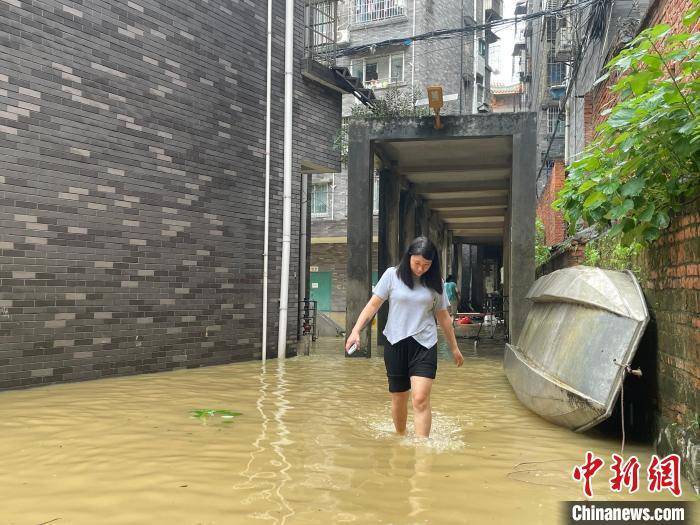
(314, 445)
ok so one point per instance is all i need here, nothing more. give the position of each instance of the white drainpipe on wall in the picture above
(287, 208)
(413, 49)
(268, 117)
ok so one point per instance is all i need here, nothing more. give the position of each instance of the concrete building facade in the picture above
(459, 64)
(132, 156)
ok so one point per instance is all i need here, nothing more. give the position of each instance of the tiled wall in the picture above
(132, 142)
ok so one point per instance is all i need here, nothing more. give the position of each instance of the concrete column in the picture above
(388, 251)
(477, 264)
(506, 267)
(466, 280)
(423, 218)
(522, 223)
(409, 221)
(458, 270)
(359, 228)
(304, 244)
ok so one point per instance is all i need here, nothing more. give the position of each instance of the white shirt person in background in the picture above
(416, 300)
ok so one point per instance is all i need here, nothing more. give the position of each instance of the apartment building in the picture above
(459, 64)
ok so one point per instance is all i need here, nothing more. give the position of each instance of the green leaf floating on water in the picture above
(205, 413)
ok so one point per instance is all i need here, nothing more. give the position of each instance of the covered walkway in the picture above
(471, 182)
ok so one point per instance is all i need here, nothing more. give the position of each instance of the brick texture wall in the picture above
(333, 258)
(554, 226)
(132, 140)
(671, 283)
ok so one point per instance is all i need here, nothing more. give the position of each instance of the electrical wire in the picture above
(591, 31)
(440, 34)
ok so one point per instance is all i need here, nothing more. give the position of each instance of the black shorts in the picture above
(408, 358)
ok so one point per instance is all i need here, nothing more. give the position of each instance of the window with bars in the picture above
(320, 199)
(550, 29)
(552, 116)
(373, 10)
(556, 71)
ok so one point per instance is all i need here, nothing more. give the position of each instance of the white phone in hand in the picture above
(352, 349)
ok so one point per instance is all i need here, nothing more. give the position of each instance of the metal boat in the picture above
(582, 331)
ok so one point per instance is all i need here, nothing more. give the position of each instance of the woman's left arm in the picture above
(445, 322)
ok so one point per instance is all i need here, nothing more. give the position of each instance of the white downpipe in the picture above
(475, 60)
(268, 118)
(413, 49)
(287, 208)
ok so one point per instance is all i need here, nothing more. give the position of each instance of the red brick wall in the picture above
(554, 227)
(670, 278)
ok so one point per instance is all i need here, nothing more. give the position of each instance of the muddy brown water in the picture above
(314, 446)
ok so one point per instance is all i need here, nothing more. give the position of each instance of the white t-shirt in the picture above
(411, 311)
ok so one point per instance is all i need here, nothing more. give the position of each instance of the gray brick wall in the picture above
(333, 258)
(132, 138)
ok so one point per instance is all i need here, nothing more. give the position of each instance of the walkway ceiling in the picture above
(466, 181)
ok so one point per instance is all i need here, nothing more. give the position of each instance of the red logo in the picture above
(626, 474)
(586, 472)
(665, 474)
(662, 473)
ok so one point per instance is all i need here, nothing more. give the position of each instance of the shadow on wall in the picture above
(640, 395)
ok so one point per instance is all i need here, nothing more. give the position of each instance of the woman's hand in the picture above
(353, 339)
(459, 359)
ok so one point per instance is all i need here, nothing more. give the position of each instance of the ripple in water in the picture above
(445, 433)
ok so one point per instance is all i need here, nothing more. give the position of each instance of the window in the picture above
(555, 71)
(396, 68)
(552, 115)
(320, 199)
(482, 47)
(375, 195)
(371, 71)
(373, 10)
(379, 72)
(550, 29)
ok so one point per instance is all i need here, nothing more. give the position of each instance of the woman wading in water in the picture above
(416, 299)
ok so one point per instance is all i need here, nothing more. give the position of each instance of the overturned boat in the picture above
(582, 331)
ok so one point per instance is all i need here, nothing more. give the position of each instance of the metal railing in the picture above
(320, 31)
(374, 10)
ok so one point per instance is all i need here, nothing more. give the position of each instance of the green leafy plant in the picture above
(609, 253)
(542, 253)
(203, 414)
(644, 163)
(396, 103)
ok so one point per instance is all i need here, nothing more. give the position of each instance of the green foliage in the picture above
(609, 253)
(203, 414)
(395, 103)
(644, 164)
(542, 253)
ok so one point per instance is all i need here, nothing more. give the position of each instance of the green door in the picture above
(321, 290)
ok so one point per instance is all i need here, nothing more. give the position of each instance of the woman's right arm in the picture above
(368, 312)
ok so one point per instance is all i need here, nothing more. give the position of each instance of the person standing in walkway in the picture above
(452, 293)
(416, 298)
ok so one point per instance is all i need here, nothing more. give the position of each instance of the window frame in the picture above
(360, 66)
(314, 199)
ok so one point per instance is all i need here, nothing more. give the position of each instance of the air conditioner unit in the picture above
(343, 36)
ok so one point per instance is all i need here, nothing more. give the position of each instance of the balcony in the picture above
(321, 19)
(493, 10)
(367, 11)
